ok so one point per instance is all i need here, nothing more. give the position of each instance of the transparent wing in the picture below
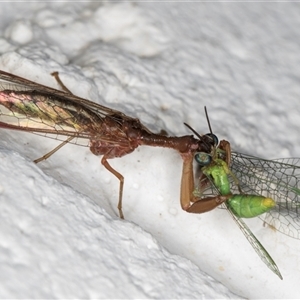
(32, 107)
(208, 188)
(257, 246)
(278, 179)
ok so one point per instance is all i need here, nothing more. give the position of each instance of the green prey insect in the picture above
(242, 205)
(217, 174)
(249, 187)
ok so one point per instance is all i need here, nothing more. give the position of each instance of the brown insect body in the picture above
(29, 106)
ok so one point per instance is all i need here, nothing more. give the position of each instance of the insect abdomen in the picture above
(250, 206)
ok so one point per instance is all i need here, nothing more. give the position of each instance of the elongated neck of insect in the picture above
(182, 143)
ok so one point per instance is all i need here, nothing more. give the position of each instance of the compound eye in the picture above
(203, 159)
(214, 138)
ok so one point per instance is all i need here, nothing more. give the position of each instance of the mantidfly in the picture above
(35, 108)
(240, 182)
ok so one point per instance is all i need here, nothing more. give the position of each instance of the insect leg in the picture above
(236, 181)
(187, 181)
(207, 204)
(105, 163)
(57, 78)
(225, 148)
(54, 150)
(187, 188)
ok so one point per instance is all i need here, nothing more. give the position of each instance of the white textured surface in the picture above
(60, 235)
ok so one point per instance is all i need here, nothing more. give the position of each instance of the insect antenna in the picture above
(210, 135)
(198, 135)
(193, 130)
(207, 118)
